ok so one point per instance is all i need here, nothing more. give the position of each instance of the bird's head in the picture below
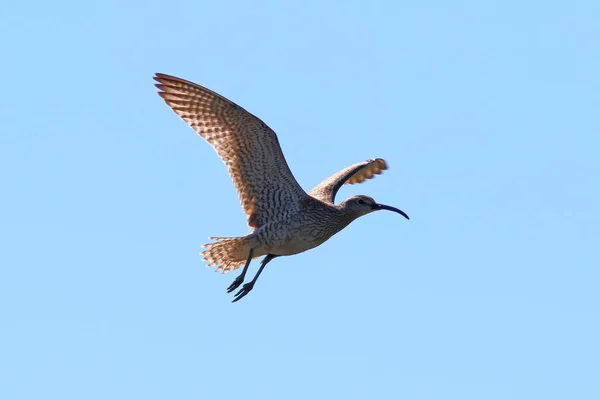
(362, 205)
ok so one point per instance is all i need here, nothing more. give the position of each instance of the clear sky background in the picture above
(487, 113)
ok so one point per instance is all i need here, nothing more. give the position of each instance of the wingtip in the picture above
(378, 163)
(382, 164)
(164, 78)
(158, 77)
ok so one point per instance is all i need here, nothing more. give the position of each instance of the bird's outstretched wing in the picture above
(357, 173)
(248, 147)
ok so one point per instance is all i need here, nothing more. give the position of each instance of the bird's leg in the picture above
(248, 286)
(240, 279)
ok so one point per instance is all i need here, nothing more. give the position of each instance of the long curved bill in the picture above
(390, 208)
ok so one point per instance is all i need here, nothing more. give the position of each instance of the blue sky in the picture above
(487, 113)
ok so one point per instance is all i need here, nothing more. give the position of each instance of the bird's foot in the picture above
(243, 291)
(235, 284)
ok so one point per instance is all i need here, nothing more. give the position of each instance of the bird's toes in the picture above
(235, 284)
(243, 291)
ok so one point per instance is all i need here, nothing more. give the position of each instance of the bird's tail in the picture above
(226, 253)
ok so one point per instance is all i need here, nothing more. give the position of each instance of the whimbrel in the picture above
(284, 218)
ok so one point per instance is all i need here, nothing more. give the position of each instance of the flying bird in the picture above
(284, 219)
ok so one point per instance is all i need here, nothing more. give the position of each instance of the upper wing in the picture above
(250, 149)
(357, 173)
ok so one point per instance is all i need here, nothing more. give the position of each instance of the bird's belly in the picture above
(284, 238)
(294, 246)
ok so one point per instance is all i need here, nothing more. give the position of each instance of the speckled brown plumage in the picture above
(285, 219)
(357, 173)
(247, 146)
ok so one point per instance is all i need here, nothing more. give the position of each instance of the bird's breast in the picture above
(285, 238)
(294, 245)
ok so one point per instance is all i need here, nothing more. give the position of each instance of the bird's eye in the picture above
(360, 201)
